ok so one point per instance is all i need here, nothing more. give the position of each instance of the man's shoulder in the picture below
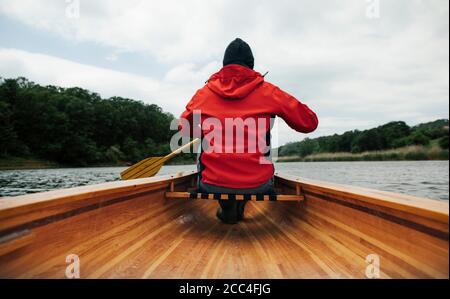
(268, 88)
(267, 84)
(274, 89)
(202, 91)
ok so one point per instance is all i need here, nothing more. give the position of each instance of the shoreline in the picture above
(410, 153)
(280, 160)
(295, 160)
(15, 163)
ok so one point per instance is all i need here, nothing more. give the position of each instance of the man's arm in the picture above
(296, 114)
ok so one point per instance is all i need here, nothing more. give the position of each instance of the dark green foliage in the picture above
(416, 156)
(389, 136)
(419, 138)
(76, 127)
(8, 137)
(443, 142)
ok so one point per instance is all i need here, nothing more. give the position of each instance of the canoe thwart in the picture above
(238, 197)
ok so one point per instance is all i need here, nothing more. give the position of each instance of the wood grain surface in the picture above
(131, 230)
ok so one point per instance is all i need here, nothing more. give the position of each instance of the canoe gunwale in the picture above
(37, 209)
(430, 208)
(29, 211)
(131, 230)
(426, 215)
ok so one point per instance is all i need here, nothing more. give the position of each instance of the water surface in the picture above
(424, 178)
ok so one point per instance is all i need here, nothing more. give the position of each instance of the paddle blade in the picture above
(144, 169)
(150, 166)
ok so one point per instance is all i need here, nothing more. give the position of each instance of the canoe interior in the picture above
(130, 230)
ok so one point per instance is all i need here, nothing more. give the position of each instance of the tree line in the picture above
(74, 126)
(389, 136)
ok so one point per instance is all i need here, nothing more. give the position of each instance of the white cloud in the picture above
(112, 57)
(49, 70)
(355, 72)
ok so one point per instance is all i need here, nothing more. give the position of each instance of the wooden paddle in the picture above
(151, 166)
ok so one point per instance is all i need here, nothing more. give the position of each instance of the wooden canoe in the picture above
(130, 229)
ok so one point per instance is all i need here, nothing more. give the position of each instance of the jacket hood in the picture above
(234, 81)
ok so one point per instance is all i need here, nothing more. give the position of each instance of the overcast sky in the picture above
(357, 63)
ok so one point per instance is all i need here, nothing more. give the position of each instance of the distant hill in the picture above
(392, 135)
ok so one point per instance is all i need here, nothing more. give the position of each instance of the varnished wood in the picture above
(131, 230)
(15, 241)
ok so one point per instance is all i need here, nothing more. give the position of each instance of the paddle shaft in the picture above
(178, 151)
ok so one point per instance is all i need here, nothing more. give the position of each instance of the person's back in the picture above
(239, 104)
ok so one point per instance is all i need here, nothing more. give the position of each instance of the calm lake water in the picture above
(425, 178)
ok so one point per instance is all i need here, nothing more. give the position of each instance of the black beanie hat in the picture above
(239, 52)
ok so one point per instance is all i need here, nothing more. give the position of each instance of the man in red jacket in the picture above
(238, 102)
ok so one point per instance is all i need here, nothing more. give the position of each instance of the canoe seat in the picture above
(238, 197)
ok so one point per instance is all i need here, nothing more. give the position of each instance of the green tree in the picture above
(418, 138)
(443, 142)
(8, 137)
(77, 127)
(308, 147)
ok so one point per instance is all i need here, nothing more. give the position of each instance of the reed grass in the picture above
(409, 153)
(10, 163)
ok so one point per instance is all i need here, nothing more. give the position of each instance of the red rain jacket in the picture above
(239, 92)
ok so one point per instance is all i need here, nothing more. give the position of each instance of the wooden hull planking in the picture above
(131, 230)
